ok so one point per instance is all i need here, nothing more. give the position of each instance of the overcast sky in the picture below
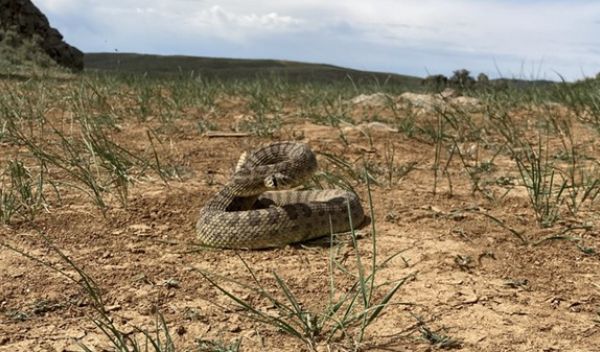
(512, 38)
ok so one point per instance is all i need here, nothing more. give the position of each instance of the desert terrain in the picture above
(483, 218)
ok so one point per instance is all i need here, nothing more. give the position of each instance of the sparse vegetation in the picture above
(348, 312)
(437, 339)
(112, 166)
(24, 57)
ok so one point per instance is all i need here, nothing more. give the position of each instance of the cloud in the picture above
(401, 36)
(239, 27)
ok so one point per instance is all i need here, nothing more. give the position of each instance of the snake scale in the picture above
(251, 211)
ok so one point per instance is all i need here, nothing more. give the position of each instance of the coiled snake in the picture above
(246, 214)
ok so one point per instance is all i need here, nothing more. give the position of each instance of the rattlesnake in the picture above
(244, 214)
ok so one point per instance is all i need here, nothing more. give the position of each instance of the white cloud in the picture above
(239, 26)
(179, 17)
(564, 35)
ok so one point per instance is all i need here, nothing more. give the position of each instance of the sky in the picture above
(532, 39)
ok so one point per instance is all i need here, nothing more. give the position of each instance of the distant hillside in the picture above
(235, 68)
(524, 83)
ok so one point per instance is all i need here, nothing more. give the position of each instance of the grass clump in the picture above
(21, 192)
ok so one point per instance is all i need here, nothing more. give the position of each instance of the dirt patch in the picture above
(474, 280)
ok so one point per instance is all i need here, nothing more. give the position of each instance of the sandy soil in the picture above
(473, 281)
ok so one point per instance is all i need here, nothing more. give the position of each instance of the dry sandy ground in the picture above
(473, 280)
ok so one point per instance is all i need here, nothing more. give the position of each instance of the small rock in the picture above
(377, 99)
(112, 308)
(171, 283)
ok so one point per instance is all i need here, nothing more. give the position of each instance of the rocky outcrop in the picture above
(377, 99)
(23, 17)
(449, 98)
(434, 102)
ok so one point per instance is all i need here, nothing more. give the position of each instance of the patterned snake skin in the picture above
(244, 214)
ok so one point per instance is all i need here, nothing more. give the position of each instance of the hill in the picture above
(224, 68)
(23, 25)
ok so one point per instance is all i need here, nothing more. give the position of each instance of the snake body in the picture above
(246, 213)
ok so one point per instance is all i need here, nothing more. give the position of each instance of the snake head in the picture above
(279, 180)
